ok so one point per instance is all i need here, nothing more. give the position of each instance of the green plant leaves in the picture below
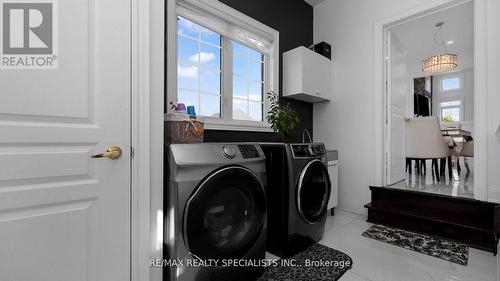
(283, 119)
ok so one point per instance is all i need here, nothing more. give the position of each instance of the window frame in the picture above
(450, 76)
(461, 107)
(233, 25)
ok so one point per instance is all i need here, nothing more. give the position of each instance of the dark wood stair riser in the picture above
(476, 239)
(473, 222)
(477, 213)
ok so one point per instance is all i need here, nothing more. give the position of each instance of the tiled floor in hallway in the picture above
(378, 261)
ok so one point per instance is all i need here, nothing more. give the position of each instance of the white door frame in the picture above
(480, 102)
(147, 134)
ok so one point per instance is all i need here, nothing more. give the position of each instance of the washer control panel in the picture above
(248, 151)
(228, 152)
(215, 153)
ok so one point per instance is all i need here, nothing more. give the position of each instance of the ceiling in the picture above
(314, 2)
(417, 37)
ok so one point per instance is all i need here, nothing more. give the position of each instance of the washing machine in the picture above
(215, 210)
(298, 190)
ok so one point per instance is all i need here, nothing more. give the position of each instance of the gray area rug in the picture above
(334, 265)
(433, 246)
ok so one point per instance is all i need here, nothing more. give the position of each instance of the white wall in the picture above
(467, 95)
(345, 123)
(493, 109)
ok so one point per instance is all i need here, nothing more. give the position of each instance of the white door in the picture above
(63, 215)
(396, 111)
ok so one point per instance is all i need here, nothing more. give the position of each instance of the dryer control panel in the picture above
(308, 150)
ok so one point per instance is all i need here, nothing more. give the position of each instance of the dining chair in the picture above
(466, 152)
(424, 141)
(451, 145)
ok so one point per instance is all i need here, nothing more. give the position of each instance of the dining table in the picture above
(458, 135)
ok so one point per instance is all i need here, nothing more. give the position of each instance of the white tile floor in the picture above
(464, 187)
(378, 261)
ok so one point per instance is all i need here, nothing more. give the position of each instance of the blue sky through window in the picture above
(199, 75)
(199, 67)
(248, 83)
(449, 84)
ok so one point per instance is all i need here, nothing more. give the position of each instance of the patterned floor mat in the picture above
(318, 263)
(433, 246)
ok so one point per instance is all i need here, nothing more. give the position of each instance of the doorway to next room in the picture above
(430, 103)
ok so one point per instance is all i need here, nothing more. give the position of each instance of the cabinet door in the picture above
(316, 75)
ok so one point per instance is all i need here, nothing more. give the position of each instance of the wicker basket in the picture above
(184, 131)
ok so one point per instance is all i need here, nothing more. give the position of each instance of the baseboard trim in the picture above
(352, 208)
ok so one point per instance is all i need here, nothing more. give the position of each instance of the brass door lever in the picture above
(112, 152)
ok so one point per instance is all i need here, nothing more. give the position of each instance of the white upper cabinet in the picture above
(306, 75)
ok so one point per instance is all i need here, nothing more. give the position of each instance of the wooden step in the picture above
(470, 221)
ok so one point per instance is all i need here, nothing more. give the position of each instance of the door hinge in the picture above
(132, 152)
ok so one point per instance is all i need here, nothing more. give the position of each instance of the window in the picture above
(451, 111)
(451, 83)
(199, 73)
(248, 83)
(223, 68)
(199, 68)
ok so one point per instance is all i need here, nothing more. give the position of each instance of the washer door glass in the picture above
(225, 215)
(313, 191)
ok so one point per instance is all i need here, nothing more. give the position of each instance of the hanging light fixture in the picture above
(443, 62)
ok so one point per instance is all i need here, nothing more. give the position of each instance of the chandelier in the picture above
(443, 62)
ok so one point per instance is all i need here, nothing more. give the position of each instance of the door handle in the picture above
(112, 152)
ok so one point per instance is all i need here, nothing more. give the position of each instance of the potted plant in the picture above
(283, 118)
